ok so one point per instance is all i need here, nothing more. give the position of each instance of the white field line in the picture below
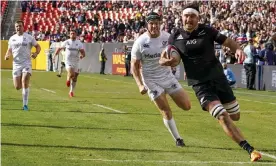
(132, 83)
(268, 155)
(48, 90)
(173, 161)
(256, 94)
(108, 108)
(256, 101)
(245, 93)
(192, 91)
(115, 92)
(32, 70)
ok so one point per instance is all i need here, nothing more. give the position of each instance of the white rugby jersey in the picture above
(21, 48)
(72, 50)
(148, 50)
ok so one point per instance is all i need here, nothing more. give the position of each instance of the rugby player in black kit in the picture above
(195, 44)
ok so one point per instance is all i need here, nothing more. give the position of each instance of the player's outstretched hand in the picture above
(143, 89)
(34, 55)
(240, 55)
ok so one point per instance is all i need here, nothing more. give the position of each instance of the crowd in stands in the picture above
(4, 5)
(122, 21)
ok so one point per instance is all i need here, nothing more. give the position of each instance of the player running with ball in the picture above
(195, 44)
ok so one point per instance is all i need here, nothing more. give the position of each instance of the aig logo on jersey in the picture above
(189, 42)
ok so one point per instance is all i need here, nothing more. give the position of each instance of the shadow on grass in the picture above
(94, 148)
(3, 100)
(96, 112)
(65, 127)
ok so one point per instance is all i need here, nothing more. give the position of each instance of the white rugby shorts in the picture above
(156, 88)
(19, 69)
(74, 66)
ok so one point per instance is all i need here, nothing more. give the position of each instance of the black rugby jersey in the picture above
(198, 53)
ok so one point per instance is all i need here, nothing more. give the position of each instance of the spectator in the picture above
(239, 20)
(229, 74)
(250, 65)
(24, 6)
(269, 55)
(103, 59)
(127, 52)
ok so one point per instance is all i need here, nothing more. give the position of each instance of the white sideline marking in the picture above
(255, 101)
(51, 91)
(118, 92)
(108, 79)
(268, 155)
(176, 161)
(188, 90)
(108, 108)
(32, 70)
(241, 92)
(255, 94)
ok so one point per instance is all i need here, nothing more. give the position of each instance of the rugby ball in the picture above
(171, 52)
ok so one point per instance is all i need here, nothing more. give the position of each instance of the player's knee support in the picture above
(232, 108)
(217, 110)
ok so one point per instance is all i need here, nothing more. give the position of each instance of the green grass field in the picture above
(83, 130)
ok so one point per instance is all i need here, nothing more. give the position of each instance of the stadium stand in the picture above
(4, 4)
(94, 20)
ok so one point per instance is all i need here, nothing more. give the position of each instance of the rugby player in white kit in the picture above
(72, 48)
(155, 79)
(20, 45)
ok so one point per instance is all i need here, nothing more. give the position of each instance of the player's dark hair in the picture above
(193, 5)
(153, 16)
(19, 21)
(72, 30)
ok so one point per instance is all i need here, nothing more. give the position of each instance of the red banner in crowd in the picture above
(118, 64)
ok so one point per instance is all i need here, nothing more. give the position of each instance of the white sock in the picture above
(25, 95)
(171, 126)
(72, 86)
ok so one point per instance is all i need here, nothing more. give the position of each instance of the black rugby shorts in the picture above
(216, 89)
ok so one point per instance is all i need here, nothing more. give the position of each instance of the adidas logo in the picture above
(201, 33)
(180, 37)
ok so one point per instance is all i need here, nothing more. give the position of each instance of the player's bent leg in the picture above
(25, 89)
(70, 75)
(75, 78)
(162, 104)
(233, 110)
(216, 109)
(181, 99)
(26, 80)
(17, 82)
(73, 84)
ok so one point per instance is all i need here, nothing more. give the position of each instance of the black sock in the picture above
(246, 146)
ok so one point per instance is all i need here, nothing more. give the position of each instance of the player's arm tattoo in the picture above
(135, 68)
(231, 44)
